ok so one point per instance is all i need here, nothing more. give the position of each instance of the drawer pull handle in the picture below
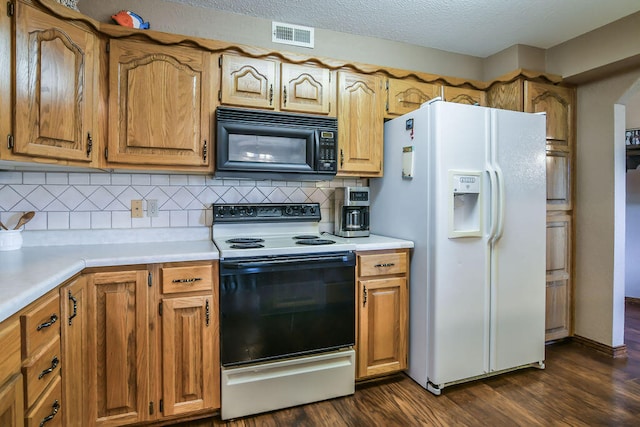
(390, 264)
(54, 410)
(75, 307)
(53, 319)
(195, 279)
(54, 365)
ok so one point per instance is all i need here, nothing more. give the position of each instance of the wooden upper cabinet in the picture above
(360, 124)
(55, 88)
(404, 96)
(305, 89)
(557, 103)
(159, 105)
(506, 95)
(6, 56)
(249, 82)
(270, 85)
(464, 95)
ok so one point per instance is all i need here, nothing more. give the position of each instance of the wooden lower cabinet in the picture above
(117, 355)
(382, 327)
(42, 364)
(11, 403)
(11, 382)
(152, 343)
(74, 330)
(189, 371)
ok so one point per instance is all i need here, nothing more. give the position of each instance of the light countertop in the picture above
(28, 273)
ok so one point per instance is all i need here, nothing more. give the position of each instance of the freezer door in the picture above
(518, 256)
(458, 311)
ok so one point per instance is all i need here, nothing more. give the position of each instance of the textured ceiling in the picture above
(473, 27)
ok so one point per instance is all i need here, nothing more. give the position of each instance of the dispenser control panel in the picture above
(466, 184)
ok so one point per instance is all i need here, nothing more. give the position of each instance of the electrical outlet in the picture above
(152, 208)
(136, 209)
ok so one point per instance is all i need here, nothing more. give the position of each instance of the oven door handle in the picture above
(283, 261)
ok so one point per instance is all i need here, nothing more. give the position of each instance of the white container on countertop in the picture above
(10, 240)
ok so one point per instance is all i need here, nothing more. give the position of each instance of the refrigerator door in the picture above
(400, 208)
(518, 256)
(458, 310)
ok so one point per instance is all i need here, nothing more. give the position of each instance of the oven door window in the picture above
(269, 313)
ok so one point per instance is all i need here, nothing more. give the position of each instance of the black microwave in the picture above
(271, 145)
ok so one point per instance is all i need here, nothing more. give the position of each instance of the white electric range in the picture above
(287, 308)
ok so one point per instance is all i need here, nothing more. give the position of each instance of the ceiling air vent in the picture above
(296, 35)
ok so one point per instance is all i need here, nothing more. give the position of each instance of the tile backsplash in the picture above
(99, 201)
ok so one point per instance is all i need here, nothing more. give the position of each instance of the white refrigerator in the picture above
(467, 184)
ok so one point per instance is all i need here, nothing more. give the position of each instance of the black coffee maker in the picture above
(351, 213)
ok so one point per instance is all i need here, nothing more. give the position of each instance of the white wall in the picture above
(632, 266)
(599, 282)
(210, 24)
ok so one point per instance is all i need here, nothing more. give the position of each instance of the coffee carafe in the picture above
(351, 214)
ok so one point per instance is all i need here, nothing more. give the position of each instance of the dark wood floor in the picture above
(579, 387)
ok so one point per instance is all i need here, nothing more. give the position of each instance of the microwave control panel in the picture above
(327, 149)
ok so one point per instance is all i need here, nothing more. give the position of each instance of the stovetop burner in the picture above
(306, 237)
(248, 245)
(315, 242)
(245, 240)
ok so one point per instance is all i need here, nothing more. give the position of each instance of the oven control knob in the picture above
(251, 211)
(288, 210)
(232, 211)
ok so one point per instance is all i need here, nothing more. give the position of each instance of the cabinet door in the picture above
(117, 347)
(190, 356)
(6, 111)
(506, 95)
(73, 301)
(305, 89)
(159, 101)
(55, 88)
(404, 96)
(464, 95)
(11, 406)
(557, 103)
(558, 311)
(382, 331)
(360, 124)
(249, 82)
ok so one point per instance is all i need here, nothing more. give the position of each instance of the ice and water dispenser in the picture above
(465, 204)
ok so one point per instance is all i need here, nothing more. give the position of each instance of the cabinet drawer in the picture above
(10, 347)
(39, 372)
(49, 407)
(382, 264)
(186, 279)
(40, 325)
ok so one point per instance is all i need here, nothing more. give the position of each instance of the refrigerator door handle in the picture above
(493, 180)
(500, 202)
